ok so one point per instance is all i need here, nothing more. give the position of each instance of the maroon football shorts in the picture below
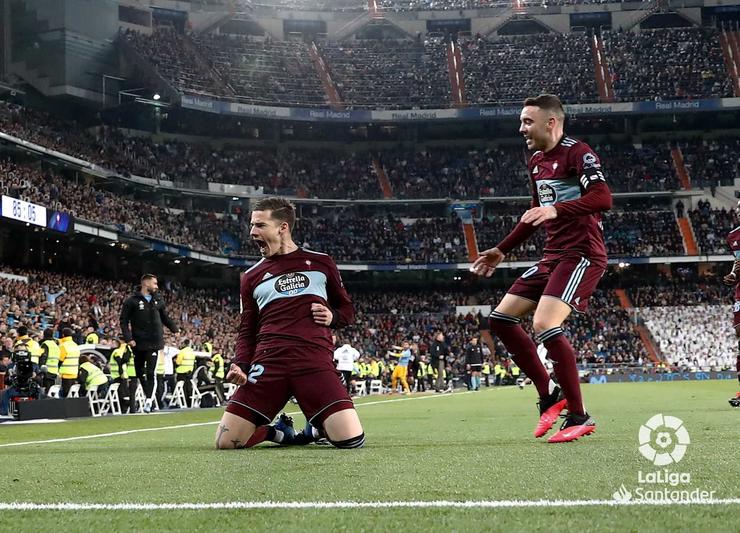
(274, 378)
(572, 279)
(736, 314)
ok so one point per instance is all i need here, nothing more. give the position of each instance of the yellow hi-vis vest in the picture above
(52, 359)
(218, 365)
(33, 347)
(69, 355)
(115, 356)
(95, 376)
(185, 361)
(92, 338)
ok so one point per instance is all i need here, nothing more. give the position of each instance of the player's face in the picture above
(151, 286)
(535, 126)
(266, 232)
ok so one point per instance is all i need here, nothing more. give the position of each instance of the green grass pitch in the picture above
(456, 447)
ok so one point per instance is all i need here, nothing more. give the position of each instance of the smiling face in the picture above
(537, 126)
(267, 232)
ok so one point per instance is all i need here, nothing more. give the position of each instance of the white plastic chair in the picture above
(376, 386)
(74, 391)
(139, 399)
(360, 388)
(93, 400)
(229, 390)
(53, 391)
(178, 396)
(111, 403)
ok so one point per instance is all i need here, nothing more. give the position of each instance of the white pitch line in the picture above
(438, 504)
(166, 428)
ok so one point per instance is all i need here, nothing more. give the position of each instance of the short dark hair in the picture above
(67, 332)
(548, 102)
(280, 209)
(146, 277)
(48, 334)
(22, 331)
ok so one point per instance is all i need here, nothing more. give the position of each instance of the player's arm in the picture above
(731, 278)
(246, 337)
(125, 318)
(167, 321)
(488, 260)
(341, 312)
(596, 197)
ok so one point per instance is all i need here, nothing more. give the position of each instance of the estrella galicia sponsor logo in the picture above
(547, 194)
(292, 283)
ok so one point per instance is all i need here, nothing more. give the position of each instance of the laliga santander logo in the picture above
(663, 440)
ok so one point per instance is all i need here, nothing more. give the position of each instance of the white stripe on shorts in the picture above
(575, 279)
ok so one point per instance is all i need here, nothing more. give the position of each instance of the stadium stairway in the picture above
(726, 38)
(374, 9)
(330, 89)
(205, 65)
(471, 243)
(645, 337)
(681, 172)
(457, 77)
(603, 76)
(385, 183)
(733, 38)
(687, 234)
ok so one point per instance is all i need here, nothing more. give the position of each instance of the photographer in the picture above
(19, 377)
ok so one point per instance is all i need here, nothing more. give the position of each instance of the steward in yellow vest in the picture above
(69, 357)
(91, 376)
(50, 359)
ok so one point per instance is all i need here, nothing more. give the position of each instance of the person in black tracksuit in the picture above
(438, 357)
(142, 318)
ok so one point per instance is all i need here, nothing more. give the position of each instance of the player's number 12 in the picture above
(255, 371)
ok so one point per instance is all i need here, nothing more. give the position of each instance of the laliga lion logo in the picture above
(668, 434)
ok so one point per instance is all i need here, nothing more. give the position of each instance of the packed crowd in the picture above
(711, 162)
(434, 172)
(390, 74)
(603, 336)
(693, 337)
(385, 239)
(711, 227)
(58, 301)
(349, 235)
(680, 291)
(667, 64)
(626, 234)
(644, 233)
(509, 69)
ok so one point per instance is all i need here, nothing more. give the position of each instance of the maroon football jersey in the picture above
(565, 173)
(733, 240)
(276, 298)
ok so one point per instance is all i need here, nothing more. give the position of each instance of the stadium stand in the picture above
(711, 227)
(390, 74)
(509, 69)
(667, 64)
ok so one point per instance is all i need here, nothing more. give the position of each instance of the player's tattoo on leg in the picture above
(221, 430)
(236, 443)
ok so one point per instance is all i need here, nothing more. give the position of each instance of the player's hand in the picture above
(236, 375)
(537, 215)
(132, 343)
(487, 262)
(730, 279)
(322, 315)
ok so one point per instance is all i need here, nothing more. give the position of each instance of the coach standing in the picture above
(142, 316)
